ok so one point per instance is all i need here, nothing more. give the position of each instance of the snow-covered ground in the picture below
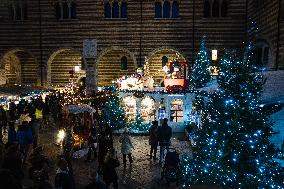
(273, 93)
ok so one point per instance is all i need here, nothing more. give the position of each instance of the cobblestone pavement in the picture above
(143, 173)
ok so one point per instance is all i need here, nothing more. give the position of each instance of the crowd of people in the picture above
(22, 157)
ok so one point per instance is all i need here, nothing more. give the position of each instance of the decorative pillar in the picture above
(91, 76)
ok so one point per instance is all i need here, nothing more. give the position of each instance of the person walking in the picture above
(96, 182)
(153, 139)
(108, 170)
(164, 138)
(3, 122)
(126, 146)
(63, 178)
(25, 139)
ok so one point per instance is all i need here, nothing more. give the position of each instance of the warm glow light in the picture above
(214, 54)
(60, 136)
(77, 68)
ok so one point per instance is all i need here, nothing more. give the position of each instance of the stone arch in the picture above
(155, 61)
(18, 66)
(61, 62)
(109, 65)
(264, 53)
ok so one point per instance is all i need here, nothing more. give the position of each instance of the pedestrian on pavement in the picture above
(3, 121)
(13, 162)
(164, 138)
(126, 146)
(63, 178)
(96, 182)
(25, 139)
(108, 170)
(153, 139)
(92, 144)
(37, 122)
(8, 180)
(102, 149)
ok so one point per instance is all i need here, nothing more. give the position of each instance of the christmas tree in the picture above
(72, 93)
(200, 72)
(112, 113)
(138, 124)
(233, 148)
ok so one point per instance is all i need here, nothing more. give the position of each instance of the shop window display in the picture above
(148, 109)
(176, 111)
(129, 105)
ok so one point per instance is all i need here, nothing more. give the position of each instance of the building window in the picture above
(58, 11)
(158, 10)
(176, 111)
(167, 9)
(164, 61)
(215, 9)
(73, 10)
(262, 54)
(282, 10)
(107, 10)
(214, 54)
(224, 8)
(114, 9)
(65, 11)
(17, 11)
(175, 10)
(123, 63)
(207, 9)
(123, 10)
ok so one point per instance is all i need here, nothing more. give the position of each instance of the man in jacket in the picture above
(164, 138)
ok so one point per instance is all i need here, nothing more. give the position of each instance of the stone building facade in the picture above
(41, 41)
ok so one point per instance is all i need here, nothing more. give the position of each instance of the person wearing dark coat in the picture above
(63, 178)
(8, 181)
(96, 183)
(109, 172)
(164, 138)
(3, 121)
(13, 162)
(153, 139)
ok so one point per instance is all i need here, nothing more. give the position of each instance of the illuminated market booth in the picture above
(141, 97)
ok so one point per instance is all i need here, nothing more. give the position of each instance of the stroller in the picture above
(171, 168)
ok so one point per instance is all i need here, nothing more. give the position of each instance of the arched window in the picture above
(11, 12)
(158, 10)
(123, 63)
(164, 61)
(115, 9)
(282, 11)
(123, 10)
(224, 8)
(175, 9)
(58, 11)
(107, 10)
(262, 54)
(65, 11)
(215, 9)
(24, 11)
(73, 9)
(18, 12)
(207, 9)
(166, 9)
